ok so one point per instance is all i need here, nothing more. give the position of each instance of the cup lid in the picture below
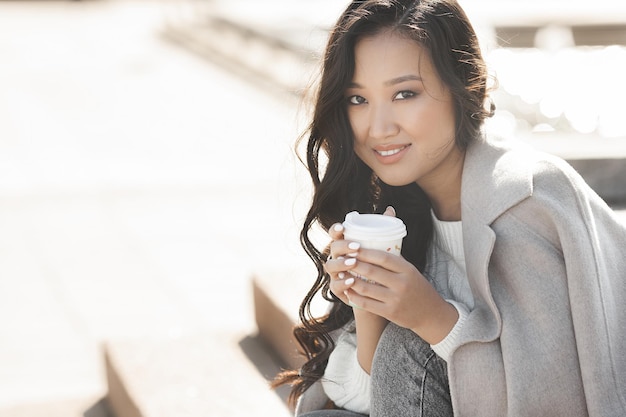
(374, 225)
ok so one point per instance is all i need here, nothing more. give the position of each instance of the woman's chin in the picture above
(396, 182)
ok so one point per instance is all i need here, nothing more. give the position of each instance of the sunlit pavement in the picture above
(139, 187)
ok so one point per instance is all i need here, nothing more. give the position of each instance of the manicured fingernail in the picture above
(349, 281)
(354, 245)
(350, 261)
(338, 227)
(353, 254)
(341, 275)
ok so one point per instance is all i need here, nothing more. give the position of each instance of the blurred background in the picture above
(150, 196)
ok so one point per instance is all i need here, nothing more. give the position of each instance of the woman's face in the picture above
(401, 113)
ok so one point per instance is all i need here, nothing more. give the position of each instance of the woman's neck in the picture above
(449, 212)
(445, 193)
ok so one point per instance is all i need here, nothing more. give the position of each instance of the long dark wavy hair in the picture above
(342, 182)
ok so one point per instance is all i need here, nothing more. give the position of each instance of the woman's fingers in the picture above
(339, 248)
(336, 231)
(365, 294)
(338, 263)
(360, 283)
(380, 266)
(340, 283)
(342, 259)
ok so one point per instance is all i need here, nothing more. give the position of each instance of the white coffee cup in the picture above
(375, 231)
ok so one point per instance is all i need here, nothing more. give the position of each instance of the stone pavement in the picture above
(140, 189)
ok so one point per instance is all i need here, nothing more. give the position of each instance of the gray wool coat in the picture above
(546, 262)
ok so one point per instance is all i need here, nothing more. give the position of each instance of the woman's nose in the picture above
(382, 122)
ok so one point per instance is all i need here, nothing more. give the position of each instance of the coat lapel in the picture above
(494, 180)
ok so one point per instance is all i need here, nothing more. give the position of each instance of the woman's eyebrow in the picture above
(402, 79)
(393, 81)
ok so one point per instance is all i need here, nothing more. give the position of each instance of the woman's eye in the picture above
(403, 95)
(356, 100)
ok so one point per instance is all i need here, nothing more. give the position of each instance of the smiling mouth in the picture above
(391, 151)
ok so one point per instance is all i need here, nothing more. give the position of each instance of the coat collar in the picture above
(494, 180)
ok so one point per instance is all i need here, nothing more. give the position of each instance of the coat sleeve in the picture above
(593, 242)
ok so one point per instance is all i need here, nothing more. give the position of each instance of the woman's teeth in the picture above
(391, 152)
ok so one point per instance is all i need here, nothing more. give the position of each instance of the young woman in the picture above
(508, 299)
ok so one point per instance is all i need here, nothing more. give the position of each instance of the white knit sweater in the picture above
(448, 241)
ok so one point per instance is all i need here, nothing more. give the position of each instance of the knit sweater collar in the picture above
(449, 237)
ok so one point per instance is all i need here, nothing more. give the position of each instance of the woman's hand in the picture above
(388, 286)
(342, 254)
(399, 293)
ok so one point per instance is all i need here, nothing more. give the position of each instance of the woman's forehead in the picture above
(387, 55)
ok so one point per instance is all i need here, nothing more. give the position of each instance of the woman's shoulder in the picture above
(555, 186)
(545, 169)
(508, 172)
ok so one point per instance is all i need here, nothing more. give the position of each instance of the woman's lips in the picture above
(389, 155)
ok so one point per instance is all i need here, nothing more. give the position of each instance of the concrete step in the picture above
(186, 376)
(275, 43)
(267, 60)
(277, 295)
